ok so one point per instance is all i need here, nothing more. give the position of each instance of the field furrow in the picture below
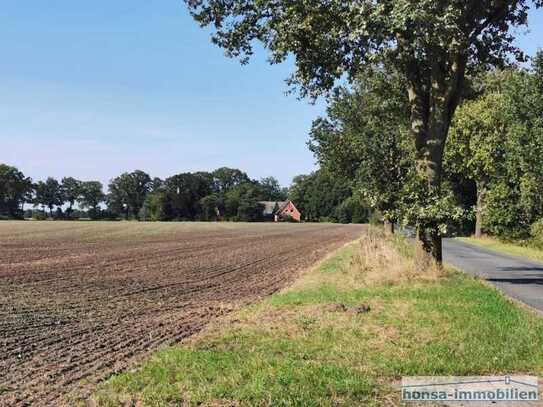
(80, 301)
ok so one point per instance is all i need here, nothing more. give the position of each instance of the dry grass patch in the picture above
(379, 260)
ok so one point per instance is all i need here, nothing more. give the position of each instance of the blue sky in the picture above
(93, 89)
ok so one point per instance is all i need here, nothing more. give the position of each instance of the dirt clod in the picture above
(361, 309)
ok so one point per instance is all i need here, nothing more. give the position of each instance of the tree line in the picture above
(433, 47)
(224, 194)
(492, 167)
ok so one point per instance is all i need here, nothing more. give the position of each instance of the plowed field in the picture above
(80, 301)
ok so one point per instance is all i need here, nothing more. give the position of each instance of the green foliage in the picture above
(428, 209)
(183, 194)
(249, 210)
(155, 206)
(90, 196)
(225, 179)
(210, 206)
(271, 190)
(39, 214)
(430, 44)
(536, 234)
(225, 193)
(476, 143)
(497, 141)
(351, 210)
(318, 194)
(366, 138)
(337, 38)
(48, 194)
(241, 202)
(70, 191)
(15, 190)
(127, 193)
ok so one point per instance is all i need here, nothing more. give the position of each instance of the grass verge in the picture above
(506, 248)
(300, 348)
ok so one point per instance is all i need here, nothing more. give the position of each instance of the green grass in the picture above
(506, 248)
(293, 350)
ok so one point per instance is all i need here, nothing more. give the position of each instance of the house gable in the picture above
(289, 210)
(280, 209)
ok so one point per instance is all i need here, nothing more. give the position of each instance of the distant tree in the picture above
(155, 184)
(195, 196)
(155, 207)
(271, 190)
(117, 198)
(432, 44)
(91, 196)
(127, 193)
(318, 194)
(15, 190)
(250, 210)
(241, 202)
(227, 178)
(211, 207)
(70, 188)
(48, 194)
(184, 193)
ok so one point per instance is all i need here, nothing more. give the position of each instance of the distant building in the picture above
(280, 211)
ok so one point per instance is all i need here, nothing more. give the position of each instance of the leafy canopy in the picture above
(365, 137)
(333, 38)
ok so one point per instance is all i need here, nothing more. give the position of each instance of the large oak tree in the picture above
(432, 43)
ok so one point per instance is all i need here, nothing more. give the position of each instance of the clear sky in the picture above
(92, 89)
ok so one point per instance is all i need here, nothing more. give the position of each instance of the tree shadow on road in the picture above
(526, 279)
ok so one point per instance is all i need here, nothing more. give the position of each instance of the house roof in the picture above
(269, 206)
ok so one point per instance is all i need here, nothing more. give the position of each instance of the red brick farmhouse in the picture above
(280, 211)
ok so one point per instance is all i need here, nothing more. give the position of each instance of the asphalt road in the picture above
(518, 278)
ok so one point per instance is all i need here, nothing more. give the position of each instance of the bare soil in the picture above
(80, 301)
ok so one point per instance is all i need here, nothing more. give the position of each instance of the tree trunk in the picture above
(479, 210)
(428, 248)
(389, 227)
(430, 135)
(433, 100)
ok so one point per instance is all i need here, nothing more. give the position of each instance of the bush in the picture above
(536, 234)
(351, 210)
(38, 214)
(155, 207)
(343, 213)
(250, 211)
(15, 214)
